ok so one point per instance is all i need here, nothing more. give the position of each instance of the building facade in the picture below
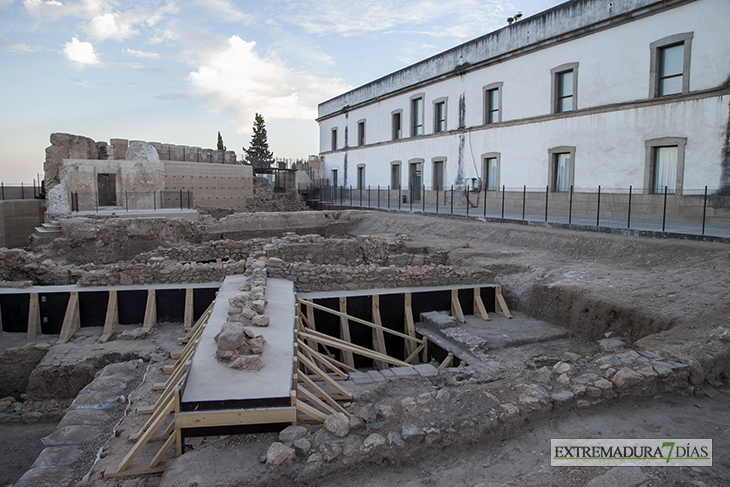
(615, 93)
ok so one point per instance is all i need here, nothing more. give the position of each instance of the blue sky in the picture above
(180, 71)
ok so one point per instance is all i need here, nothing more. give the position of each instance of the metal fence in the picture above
(694, 212)
(20, 191)
(131, 200)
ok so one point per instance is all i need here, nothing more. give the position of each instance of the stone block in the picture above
(412, 433)
(338, 424)
(57, 456)
(426, 370)
(45, 476)
(375, 376)
(404, 372)
(360, 378)
(280, 454)
(292, 433)
(72, 435)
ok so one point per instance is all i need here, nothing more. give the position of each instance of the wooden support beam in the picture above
(111, 321)
(150, 312)
(378, 338)
(500, 305)
(234, 417)
(311, 412)
(456, 311)
(34, 317)
(164, 411)
(448, 361)
(415, 353)
(189, 310)
(343, 345)
(408, 324)
(479, 308)
(321, 375)
(345, 333)
(71, 320)
(326, 361)
(304, 394)
(326, 397)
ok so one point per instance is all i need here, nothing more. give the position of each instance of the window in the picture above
(565, 88)
(334, 139)
(664, 164)
(415, 176)
(397, 131)
(361, 176)
(669, 69)
(334, 177)
(439, 115)
(493, 103)
(491, 171)
(437, 182)
(416, 116)
(361, 132)
(395, 174)
(562, 164)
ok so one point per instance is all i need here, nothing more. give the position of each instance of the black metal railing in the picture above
(131, 200)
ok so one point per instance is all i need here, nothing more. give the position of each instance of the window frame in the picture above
(656, 48)
(438, 101)
(485, 170)
(398, 171)
(649, 169)
(553, 154)
(555, 74)
(434, 162)
(360, 180)
(333, 140)
(414, 122)
(334, 172)
(396, 135)
(487, 102)
(361, 132)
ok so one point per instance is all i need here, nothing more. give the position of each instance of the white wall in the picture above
(613, 69)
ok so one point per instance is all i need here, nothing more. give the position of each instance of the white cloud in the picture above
(464, 18)
(79, 82)
(82, 54)
(52, 9)
(162, 35)
(173, 97)
(6, 3)
(235, 77)
(120, 25)
(142, 54)
(16, 46)
(224, 10)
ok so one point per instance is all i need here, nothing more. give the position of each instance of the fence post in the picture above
(410, 190)
(400, 188)
(360, 189)
(570, 206)
(96, 200)
(351, 195)
(188, 199)
(664, 215)
(598, 209)
(22, 191)
(437, 199)
(524, 195)
(34, 194)
(547, 193)
(154, 199)
(485, 202)
(628, 220)
(452, 199)
(704, 212)
(503, 201)
(389, 196)
(466, 197)
(2, 190)
(181, 206)
(378, 196)
(126, 200)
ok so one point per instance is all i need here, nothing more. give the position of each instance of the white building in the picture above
(615, 93)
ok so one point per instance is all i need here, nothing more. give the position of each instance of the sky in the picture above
(180, 71)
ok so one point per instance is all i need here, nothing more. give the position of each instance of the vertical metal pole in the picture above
(399, 195)
(126, 200)
(34, 194)
(547, 192)
(628, 219)
(598, 208)
(410, 190)
(378, 196)
(96, 200)
(368, 196)
(485, 203)
(468, 203)
(437, 199)
(22, 191)
(389, 196)
(423, 198)
(181, 206)
(704, 212)
(570, 206)
(188, 199)
(503, 202)
(2, 189)
(351, 195)
(360, 190)
(664, 215)
(452, 199)
(524, 195)
(154, 199)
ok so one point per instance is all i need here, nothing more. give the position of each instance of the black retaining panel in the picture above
(202, 297)
(92, 308)
(14, 308)
(170, 305)
(53, 309)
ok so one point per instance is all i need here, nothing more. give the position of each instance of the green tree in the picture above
(220, 142)
(258, 153)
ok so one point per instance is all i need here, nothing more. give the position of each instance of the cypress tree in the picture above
(258, 153)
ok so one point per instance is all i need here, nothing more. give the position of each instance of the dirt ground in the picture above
(567, 289)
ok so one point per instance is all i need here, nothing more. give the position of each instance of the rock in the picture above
(302, 446)
(620, 476)
(564, 368)
(439, 320)
(135, 334)
(356, 423)
(408, 404)
(330, 451)
(386, 411)
(424, 398)
(611, 344)
(72, 435)
(260, 321)
(99, 400)
(292, 433)
(373, 441)
(259, 306)
(45, 476)
(541, 375)
(367, 413)
(104, 384)
(247, 362)
(395, 439)
(84, 417)
(562, 398)
(230, 338)
(56, 456)
(142, 151)
(433, 435)
(338, 424)
(443, 395)
(626, 378)
(564, 380)
(279, 454)
(412, 433)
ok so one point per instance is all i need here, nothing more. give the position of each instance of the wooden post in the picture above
(71, 320)
(112, 317)
(378, 338)
(479, 308)
(188, 319)
(150, 312)
(500, 305)
(409, 325)
(34, 317)
(456, 311)
(345, 333)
